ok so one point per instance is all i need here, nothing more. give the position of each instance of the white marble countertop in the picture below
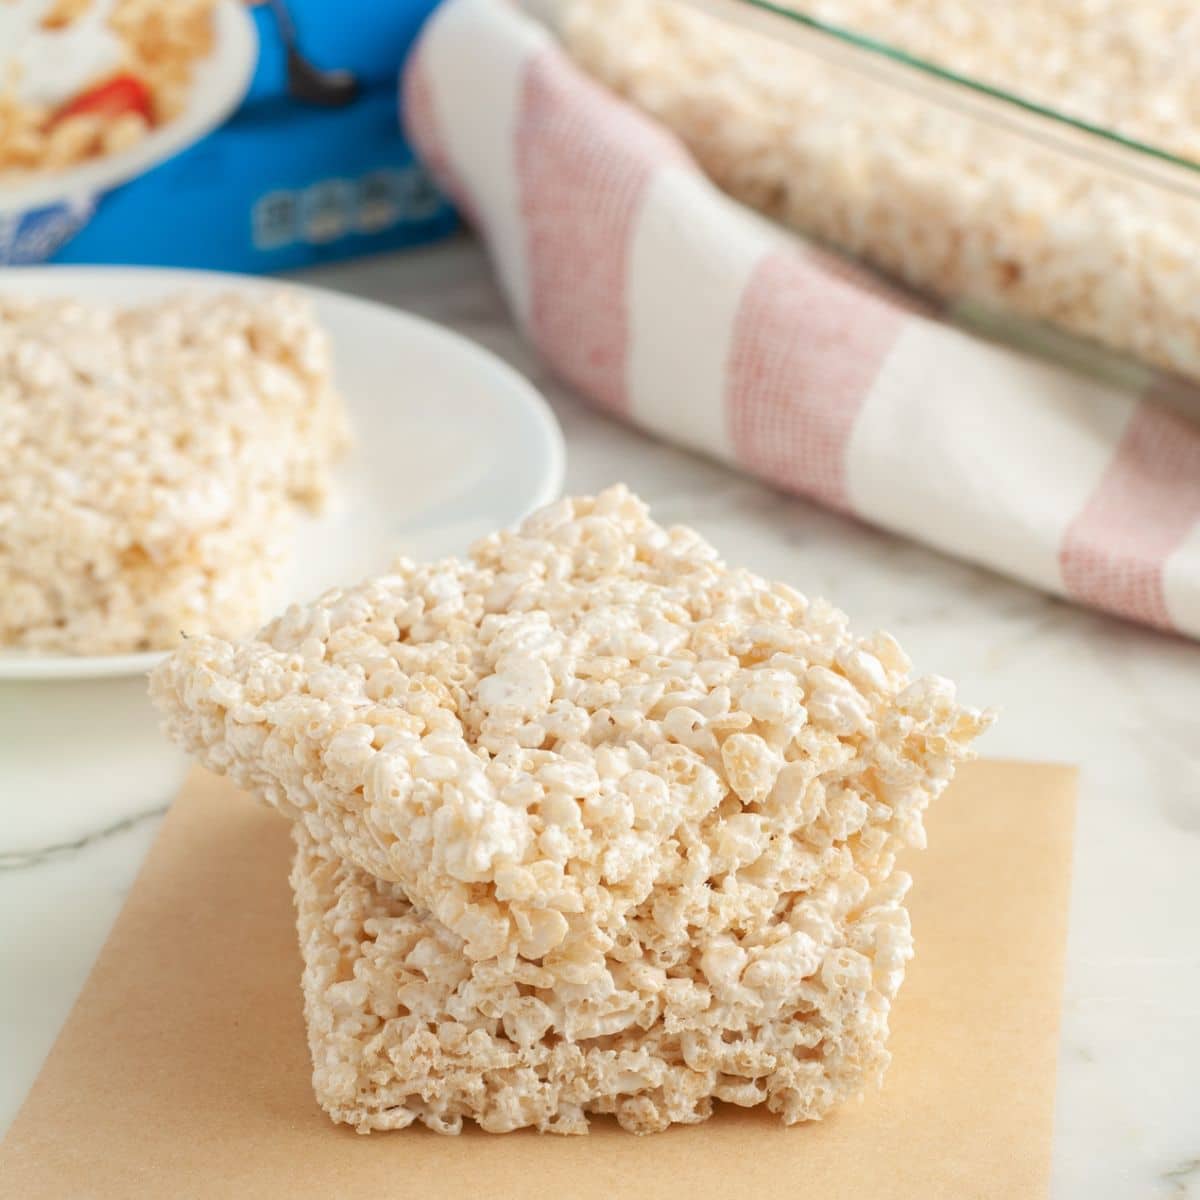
(1073, 687)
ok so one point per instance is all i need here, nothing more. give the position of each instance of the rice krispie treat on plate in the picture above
(155, 459)
(662, 796)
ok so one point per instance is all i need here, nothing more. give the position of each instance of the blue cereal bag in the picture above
(208, 133)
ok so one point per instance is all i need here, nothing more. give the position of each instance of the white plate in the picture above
(218, 85)
(450, 444)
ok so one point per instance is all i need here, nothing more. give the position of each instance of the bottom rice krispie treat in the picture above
(404, 1027)
(593, 777)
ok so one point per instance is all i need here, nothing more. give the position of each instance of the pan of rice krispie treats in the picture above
(1096, 233)
(587, 822)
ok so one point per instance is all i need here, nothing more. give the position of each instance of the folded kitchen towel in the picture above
(671, 306)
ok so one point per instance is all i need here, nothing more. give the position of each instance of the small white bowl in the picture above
(450, 443)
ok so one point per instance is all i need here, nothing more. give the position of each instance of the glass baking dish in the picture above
(956, 187)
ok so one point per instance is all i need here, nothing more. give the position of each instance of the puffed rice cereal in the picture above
(936, 198)
(154, 462)
(404, 1027)
(587, 823)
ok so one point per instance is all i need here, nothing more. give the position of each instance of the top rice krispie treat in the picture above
(588, 743)
(154, 460)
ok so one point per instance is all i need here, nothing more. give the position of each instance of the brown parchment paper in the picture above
(183, 1069)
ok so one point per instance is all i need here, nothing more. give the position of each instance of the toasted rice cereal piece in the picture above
(155, 458)
(403, 1026)
(72, 139)
(125, 131)
(62, 12)
(591, 742)
(165, 42)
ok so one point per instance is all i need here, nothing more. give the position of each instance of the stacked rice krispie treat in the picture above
(155, 459)
(585, 823)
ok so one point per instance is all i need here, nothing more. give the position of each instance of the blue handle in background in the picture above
(367, 37)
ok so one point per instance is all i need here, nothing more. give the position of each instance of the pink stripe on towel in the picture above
(1114, 552)
(583, 165)
(806, 349)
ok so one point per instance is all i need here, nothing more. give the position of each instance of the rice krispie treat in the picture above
(662, 796)
(154, 462)
(403, 1026)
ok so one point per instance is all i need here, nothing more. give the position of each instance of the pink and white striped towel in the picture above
(672, 307)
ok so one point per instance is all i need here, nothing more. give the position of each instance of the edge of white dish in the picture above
(32, 667)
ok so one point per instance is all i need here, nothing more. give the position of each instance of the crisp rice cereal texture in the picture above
(660, 797)
(946, 203)
(154, 462)
(404, 1027)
